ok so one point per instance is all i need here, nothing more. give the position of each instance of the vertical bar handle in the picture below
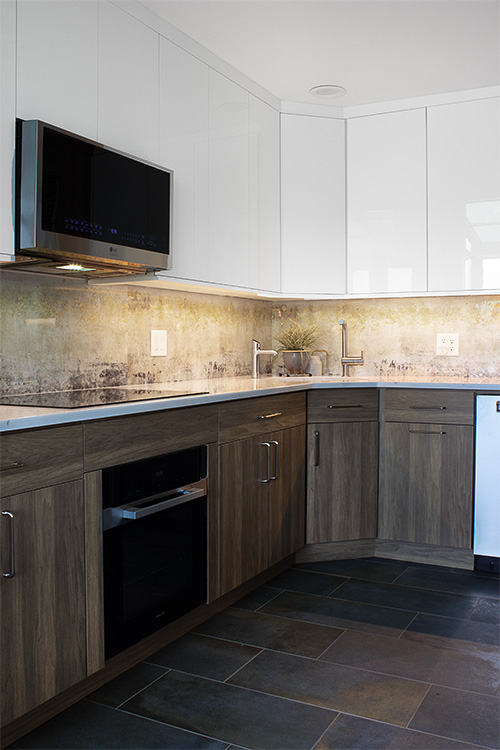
(316, 448)
(275, 443)
(11, 572)
(268, 479)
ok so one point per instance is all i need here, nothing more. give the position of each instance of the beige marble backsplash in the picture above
(59, 333)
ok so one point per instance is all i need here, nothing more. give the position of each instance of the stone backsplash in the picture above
(59, 333)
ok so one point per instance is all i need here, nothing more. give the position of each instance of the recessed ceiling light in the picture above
(327, 91)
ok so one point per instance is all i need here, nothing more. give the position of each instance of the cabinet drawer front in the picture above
(343, 405)
(428, 406)
(255, 416)
(34, 459)
(111, 442)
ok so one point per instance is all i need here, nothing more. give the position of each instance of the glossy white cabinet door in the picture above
(57, 63)
(184, 148)
(128, 83)
(312, 205)
(464, 196)
(7, 127)
(386, 203)
(265, 267)
(229, 258)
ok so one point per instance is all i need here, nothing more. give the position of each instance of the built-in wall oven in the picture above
(154, 544)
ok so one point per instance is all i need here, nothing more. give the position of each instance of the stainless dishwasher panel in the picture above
(487, 477)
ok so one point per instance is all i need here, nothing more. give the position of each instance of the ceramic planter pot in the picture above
(295, 361)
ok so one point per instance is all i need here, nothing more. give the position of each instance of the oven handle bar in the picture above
(137, 510)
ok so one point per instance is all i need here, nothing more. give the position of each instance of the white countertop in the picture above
(222, 389)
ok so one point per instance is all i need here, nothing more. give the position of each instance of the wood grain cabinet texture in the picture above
(426, 467)
(342, 465)
(261, 485)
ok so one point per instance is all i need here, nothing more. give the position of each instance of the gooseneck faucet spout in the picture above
(345, 360)
(256, 352)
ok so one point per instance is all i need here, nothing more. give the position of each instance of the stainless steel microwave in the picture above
(82, 205)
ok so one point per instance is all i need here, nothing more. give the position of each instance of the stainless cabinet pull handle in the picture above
(345, 406)
(268, 479)
(268, 416)
(11, 572)
(275, 443)
(316, 448)
(428, 432)
(13, 465)
(437, 408)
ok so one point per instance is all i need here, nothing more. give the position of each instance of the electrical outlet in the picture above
(158, 343)
(447, 344)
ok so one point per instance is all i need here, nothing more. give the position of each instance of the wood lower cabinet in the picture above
(43, 635)
(262, 508)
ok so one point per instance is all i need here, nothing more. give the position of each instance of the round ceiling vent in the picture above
(327, 91)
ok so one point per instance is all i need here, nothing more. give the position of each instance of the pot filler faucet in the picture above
(255, 356)
(347, 361)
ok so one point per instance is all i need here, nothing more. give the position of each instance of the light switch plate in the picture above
(447, 344)
(158, 343)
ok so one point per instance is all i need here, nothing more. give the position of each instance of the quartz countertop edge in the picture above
(221, 389)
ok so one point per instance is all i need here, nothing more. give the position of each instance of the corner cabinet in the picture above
(261, 484)
(342, 465)
(426, 467)
(43, 635)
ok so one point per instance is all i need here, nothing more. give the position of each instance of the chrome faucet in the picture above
(255, 356)
(347, 361)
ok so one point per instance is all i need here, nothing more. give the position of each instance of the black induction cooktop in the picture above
(79, 398)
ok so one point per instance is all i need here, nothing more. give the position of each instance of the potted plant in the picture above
(295, 344)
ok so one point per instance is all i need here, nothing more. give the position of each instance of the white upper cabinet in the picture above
(386, 203)
(464, 196)
(265, 270)
(229, 252)
(312, 205)
(127, 84)
(57, 63)
(184, 148)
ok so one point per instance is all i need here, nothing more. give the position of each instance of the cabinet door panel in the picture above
(287, 494)
(342, 481)
(426, 484)
(43, 623)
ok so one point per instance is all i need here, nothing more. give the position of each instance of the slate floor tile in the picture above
(354, 733)
(461, 715)
(487, 610)
(89, 725)
(417, 661)
(206, 657)
(431, 602)
(126, 685)
(449, 632)
(230, 713)
(464, 582)
(340, 614)
(366, 569)
(340, 688)
(306, 581)
(271, 632)
(256, 599)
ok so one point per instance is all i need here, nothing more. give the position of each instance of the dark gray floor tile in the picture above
(232, 713)
(126, 685)
(340, 688)
(353, 733)
(461, 715)
(367, 569)
(448, 632)
(468, 583)
(306, 581)
(487, 610)
(256, 598)
(340, 614)
(90, 725)
(431, 602)
(207, 657)
(267, 631)
(416, 661)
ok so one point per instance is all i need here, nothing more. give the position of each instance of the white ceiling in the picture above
(379, 50)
